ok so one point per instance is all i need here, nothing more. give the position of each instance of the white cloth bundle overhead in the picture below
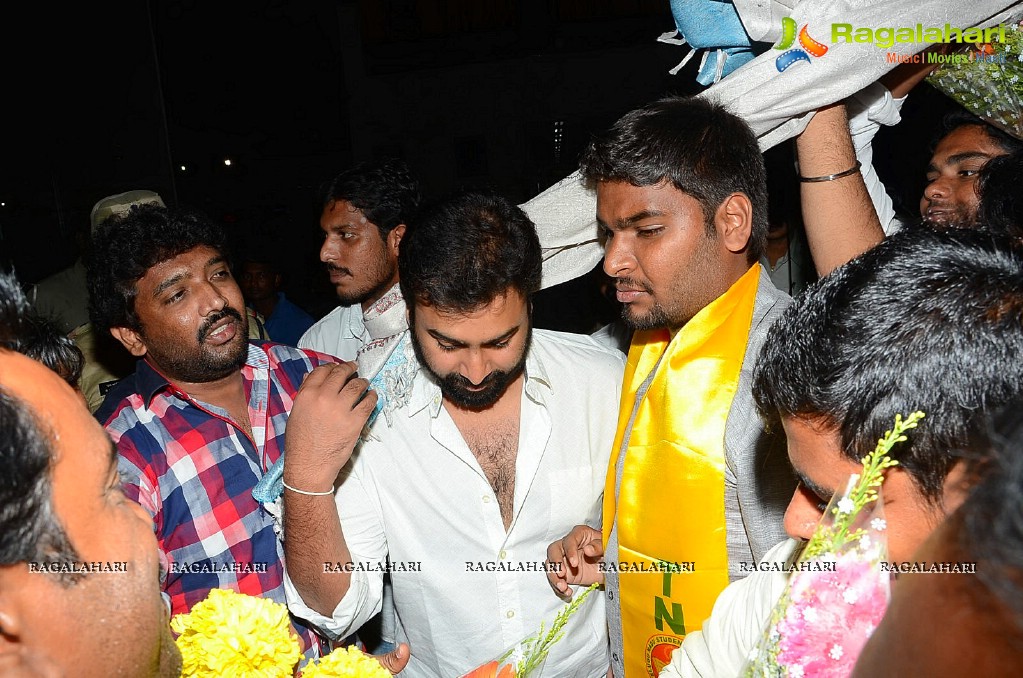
(776, 104)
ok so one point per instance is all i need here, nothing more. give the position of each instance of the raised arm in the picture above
(841, 215)
(325, 423)
(903, 78)
(840, 218)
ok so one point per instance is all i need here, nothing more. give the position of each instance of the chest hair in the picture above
(495, 448)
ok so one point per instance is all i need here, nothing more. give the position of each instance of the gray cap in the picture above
(116, 205)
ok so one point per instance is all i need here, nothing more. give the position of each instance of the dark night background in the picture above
(156, 94)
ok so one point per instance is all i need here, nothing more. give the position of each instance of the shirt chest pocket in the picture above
(575, 499)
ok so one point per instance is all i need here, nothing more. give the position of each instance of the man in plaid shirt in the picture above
(203, 416)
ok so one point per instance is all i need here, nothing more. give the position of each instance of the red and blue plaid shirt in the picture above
(193, 469)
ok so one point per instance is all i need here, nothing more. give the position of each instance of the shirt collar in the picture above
(150, 381)
(355, 327)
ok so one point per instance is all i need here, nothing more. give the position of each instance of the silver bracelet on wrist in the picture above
(306, 492)
(831, 177)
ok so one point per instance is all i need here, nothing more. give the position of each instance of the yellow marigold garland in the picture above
(346, 662)
(231, 634)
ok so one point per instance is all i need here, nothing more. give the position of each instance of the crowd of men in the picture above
(426, 473)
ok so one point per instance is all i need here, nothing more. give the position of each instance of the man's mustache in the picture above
(465, 382)
(207, 326)
(331, 268)
(632, 284)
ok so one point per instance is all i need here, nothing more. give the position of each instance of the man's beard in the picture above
(952, 217)
(456, 389)
(655, 318)
(202, 365)
(370, 291)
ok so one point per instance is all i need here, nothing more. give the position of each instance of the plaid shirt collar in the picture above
(149, 381)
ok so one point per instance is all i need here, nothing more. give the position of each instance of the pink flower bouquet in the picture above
(838, 591)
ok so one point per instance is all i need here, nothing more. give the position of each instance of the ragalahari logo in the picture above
(807, 46)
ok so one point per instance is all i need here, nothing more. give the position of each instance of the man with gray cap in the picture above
(63, 297)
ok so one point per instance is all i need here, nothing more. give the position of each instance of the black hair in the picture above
(1001, 205)
(926, 320)
(45, 343)
(25, 331)
(992, 515)
(29, 528)
(384, 190)
(30, 531)
(464, 252)
(698, 146)
(960, 117)
(124, 248)
(259, 253)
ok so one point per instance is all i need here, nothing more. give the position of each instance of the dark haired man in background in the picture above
(840, 223)
(966, 143)
(1001, 205)
(694, 478)
(259, 276)
(502, 445)
(365, 212)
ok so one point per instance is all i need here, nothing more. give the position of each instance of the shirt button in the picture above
(510, 614)
(486, 499)
(503, 554)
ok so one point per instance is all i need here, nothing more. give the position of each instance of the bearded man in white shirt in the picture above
(502, 447)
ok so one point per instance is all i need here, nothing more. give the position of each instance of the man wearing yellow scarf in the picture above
(696, 489)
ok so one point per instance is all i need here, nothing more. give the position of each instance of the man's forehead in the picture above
(37, 386)
(622, 200)
(966, 140)
(257, 266)
(74, 435)
(498, 316)
(619, 189)
(203, 255)
(343, 211)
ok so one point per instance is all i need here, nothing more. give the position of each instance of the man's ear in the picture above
(956, 487)
(22, 652)
(734, 222)
(10, 618)
(394, 238)
(130, 339)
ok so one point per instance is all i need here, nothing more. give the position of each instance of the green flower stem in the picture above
(829, 540)
(540, 644)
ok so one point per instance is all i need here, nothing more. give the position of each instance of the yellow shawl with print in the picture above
(670, 513)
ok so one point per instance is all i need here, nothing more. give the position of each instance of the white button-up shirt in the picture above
(415, 494)
(341, 333)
